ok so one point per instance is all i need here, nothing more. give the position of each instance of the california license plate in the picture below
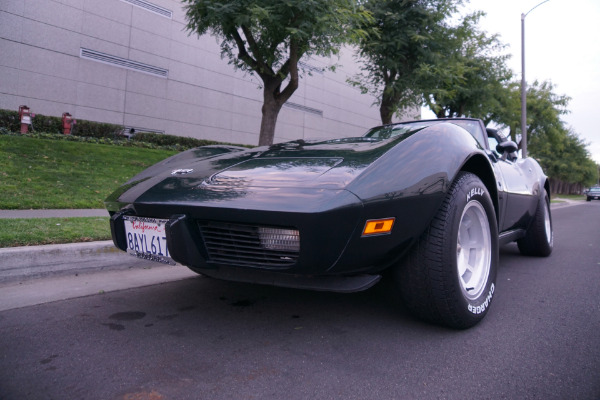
(146, 238)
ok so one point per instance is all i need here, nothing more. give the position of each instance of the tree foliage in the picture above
(414, 54)
(268, 38)
(565, 160)
(544, 110)
(469, 75)
(403, 37)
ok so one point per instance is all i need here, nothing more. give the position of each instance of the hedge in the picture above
(51, 128)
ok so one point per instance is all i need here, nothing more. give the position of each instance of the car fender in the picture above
(409, 183)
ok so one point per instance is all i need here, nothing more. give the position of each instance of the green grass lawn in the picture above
(36, 231)
(41, 173)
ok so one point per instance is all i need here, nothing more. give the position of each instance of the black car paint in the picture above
(327, 190)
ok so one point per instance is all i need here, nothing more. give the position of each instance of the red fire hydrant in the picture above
(25, 118)
(67, 123)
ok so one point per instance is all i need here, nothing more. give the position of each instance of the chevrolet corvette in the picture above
(424, 203)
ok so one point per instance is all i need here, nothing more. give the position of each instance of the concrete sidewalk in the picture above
(53, 213)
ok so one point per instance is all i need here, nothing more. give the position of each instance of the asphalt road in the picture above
(203, 339)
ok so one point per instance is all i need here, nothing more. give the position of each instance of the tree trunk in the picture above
(274, 98)
(270, 112)
(561, 187)
(385, 112)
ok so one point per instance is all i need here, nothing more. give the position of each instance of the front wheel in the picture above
(449, 276)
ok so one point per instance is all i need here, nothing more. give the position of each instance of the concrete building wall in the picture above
(85, 57)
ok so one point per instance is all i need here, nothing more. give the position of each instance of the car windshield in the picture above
(391, 131)
(595, 189)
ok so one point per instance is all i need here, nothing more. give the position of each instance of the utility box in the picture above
(25, 118)
(67, 123)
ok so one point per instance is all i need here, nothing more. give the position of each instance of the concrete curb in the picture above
(24, 263)
(562, 203)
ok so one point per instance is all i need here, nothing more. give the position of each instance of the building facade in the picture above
(132, 63)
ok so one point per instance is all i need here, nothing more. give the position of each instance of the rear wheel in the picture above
(539, 239)
(449, 276)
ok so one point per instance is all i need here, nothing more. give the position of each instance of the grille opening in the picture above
(249, 245)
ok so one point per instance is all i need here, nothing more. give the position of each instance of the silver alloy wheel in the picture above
(474, 249)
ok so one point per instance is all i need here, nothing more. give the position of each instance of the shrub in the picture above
(164, 140)
(10, 120)
(46, 123)
(89, 131)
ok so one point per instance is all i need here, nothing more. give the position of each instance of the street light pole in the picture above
(523, 91)
(524, 83)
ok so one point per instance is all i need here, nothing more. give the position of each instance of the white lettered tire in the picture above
(449, 276)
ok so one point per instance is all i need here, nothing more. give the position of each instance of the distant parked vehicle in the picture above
(593, 194)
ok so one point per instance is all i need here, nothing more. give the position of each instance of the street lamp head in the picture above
(524, 15)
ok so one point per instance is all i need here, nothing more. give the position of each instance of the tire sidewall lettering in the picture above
(476, 191)
(483, 306)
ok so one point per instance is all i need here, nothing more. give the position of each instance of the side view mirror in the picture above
(507, 147)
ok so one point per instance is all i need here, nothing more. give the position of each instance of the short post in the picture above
(25, 118)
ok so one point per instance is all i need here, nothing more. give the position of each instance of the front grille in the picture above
(250, 246)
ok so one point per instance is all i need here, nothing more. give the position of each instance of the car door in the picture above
(516, 187)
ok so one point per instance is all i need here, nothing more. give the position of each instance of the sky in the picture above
(562, 45)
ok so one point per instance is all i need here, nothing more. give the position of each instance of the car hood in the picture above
(301, 165)
(324, 165)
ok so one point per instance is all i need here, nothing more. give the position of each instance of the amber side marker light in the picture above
(378, 226)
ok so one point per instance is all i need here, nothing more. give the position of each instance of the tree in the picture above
(544, 110)
(268, 38)
(402, 37)
(470, 72)
(565, 160)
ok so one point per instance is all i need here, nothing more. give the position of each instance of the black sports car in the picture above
(426, 202)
